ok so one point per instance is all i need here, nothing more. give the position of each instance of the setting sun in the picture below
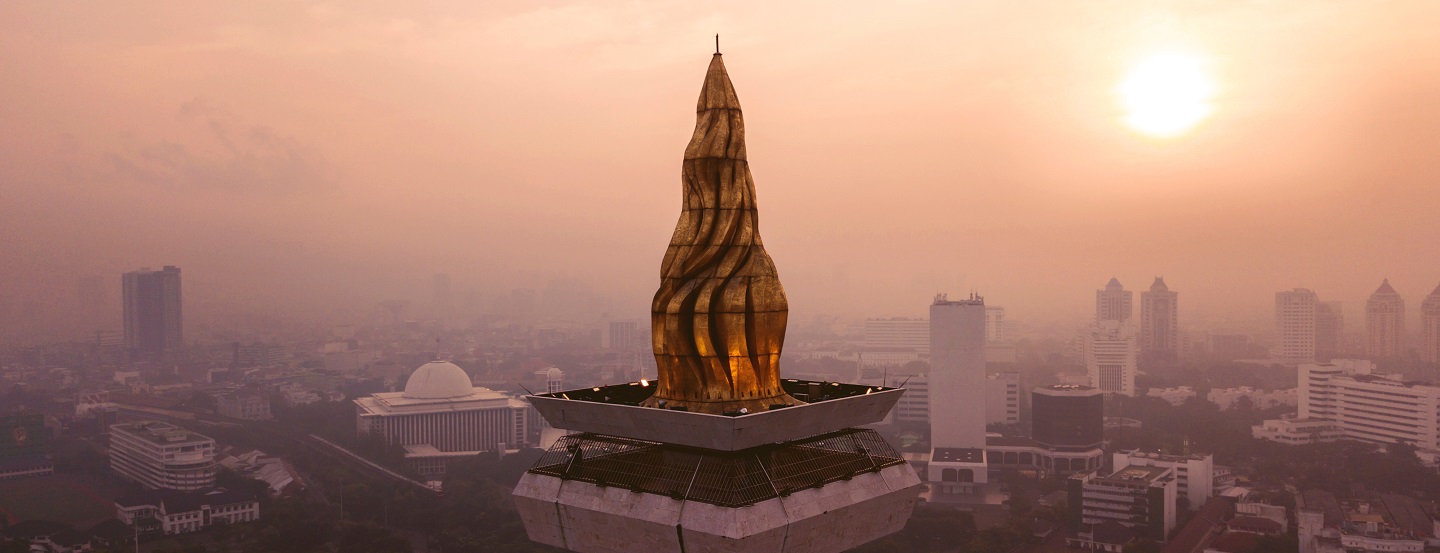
(1166, 95)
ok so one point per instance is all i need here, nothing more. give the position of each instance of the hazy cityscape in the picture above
(1127, 278)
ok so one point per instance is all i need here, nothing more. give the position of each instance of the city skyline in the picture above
(312, 214)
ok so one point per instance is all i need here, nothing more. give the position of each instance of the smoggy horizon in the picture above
(306, 161)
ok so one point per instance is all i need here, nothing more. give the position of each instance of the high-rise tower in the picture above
(152, 309)
(719, 454)
(1295, 323)
(1430, 327)
(957, 372)
(1159, 321)
(1385, 323)
(1113, 303)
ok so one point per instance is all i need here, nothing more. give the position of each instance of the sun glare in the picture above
(1166, 95)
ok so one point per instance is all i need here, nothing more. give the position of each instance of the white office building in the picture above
(442, 416)
(1110, 356)
(957, 393)
(1349, 397)
(162, 456)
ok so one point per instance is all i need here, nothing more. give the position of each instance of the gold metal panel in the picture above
(720, 313)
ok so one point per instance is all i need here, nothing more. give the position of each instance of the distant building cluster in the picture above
(1311, 330)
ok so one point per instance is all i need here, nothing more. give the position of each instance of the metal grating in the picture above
(725, 478)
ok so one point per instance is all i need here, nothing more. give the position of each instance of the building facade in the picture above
(1113, 303)
(957, 372)
(1159, 321)
(152, 311)
(957, 395)
(160, 455)
(1295, 325)
(1002, 398)
(994, 324)
(898, 334)
(1110, 357)
(1138, 497)
(1067, 416)
(441, 416)
(1385, 323)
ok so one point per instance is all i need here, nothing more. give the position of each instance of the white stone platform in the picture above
(587, 518)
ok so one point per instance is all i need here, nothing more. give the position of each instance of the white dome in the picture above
(438, 380)
(554, 374)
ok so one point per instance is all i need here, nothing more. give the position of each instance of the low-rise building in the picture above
(162, 455)
(178, 512)
(1139, 497)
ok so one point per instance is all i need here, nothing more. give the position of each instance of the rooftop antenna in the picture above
(437, 348)
(717, 44)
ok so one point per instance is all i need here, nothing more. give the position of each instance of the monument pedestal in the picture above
(825, 494)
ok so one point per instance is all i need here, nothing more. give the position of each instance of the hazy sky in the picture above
(294, 156)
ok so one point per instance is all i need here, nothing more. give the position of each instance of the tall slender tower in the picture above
(152, 309)
(1159, 321)
(1385, 323)
(1295, 323)
(1430, 327)
(719, 454)
(1113, 303)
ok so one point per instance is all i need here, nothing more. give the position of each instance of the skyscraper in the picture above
(957, 372)
(152, 309)
(1430, 327)
(1110, 357)
(1159, 321)
(1113, 303)
(1385, 323)
(1295, 323)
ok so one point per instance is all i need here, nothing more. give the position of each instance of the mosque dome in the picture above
(438, 380)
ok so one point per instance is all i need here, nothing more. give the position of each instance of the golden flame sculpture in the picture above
(718, 319)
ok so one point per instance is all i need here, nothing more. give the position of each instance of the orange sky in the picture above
(295, 156)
